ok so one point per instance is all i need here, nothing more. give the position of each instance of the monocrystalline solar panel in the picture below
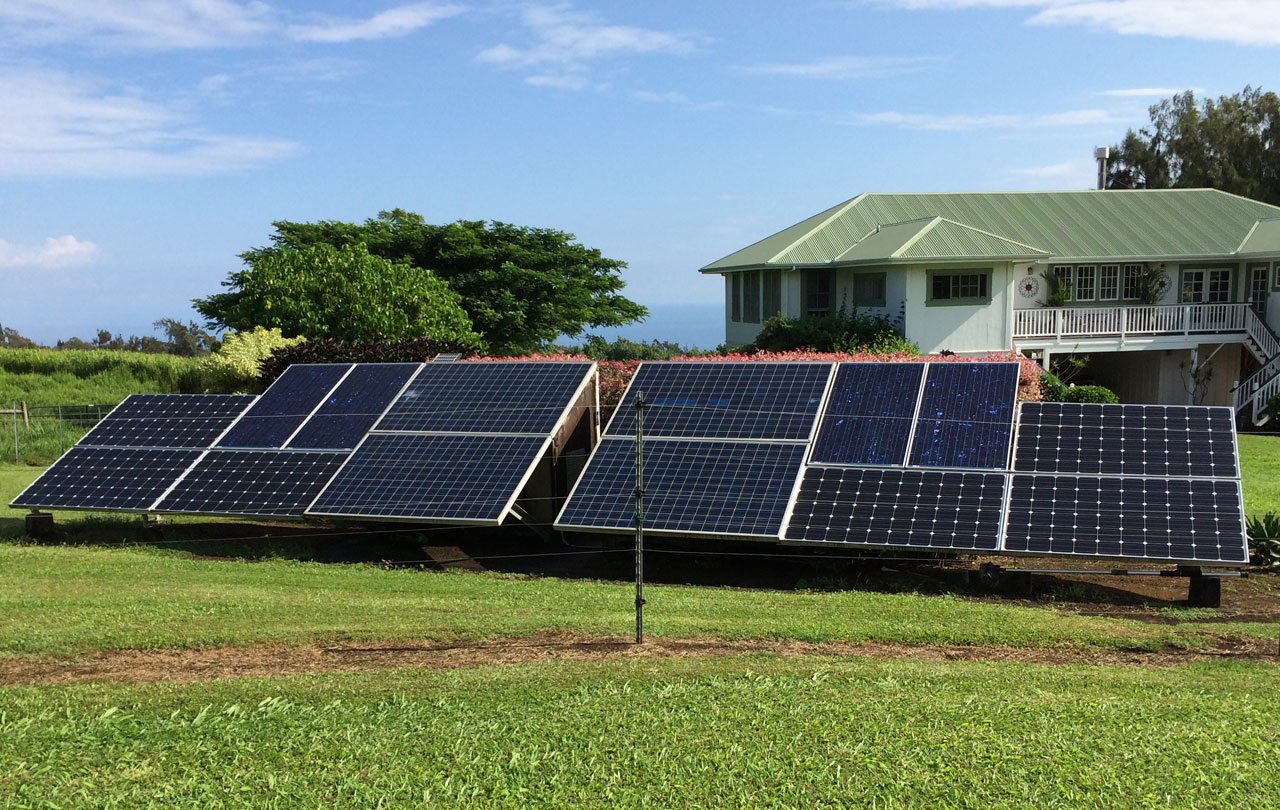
(1152, 440)
(284, 406)
(123, 479)
(691, 487)
(446, 478)
(277, 483)
(725, 400)
(868, 415)
(907, 508)
(167, 420)
(1138, 518)
(966, 416)
(486, 397)
(352, 408)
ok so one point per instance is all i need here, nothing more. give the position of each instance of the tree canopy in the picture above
(521, 287)
(1232, 144)
(322, 291)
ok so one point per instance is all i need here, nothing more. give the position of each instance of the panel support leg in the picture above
(1202, 591)
(40, 526)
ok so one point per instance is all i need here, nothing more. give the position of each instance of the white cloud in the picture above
(59, 252)
(396, 22)
(959, 122)
(565, 43)
(1243, 22)
(1070, 168)
(843, 67)
(61, 125)
(1150, 92)
(179, 24)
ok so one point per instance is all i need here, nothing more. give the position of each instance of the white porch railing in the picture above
(1064, 323)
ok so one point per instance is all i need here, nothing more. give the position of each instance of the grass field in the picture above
(1260, 466)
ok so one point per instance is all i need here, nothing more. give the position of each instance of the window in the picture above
(1108, 282)
(868, 289)
(817, 291)
(1211, 286)
(751, 297)
(1133, 281)
(772, 293)
(1085, 288)
(961, 287)
(1063, 272)
(735, 297)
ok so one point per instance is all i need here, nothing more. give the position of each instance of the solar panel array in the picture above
(274, 455)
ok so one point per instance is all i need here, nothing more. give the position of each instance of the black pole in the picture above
(639, 517)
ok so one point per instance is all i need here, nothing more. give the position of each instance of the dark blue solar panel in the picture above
(354, 406)
(723, 488)
(278, 483)
(486, 397)
(448, 478)
(725, 400)
(909, 508)
(868, 417)
(1139, 518)
(167, 420)
(1152, 440)
(126, 479)
(966, 416)
(284, 406)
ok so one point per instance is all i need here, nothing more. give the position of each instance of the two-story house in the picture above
(1169, 292)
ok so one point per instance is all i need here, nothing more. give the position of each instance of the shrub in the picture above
(412, 350)
(237, 365)
(1264, 539)
(841, 332)
(1090, 393)
(597, 348)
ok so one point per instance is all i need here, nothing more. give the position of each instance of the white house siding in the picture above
(960, 328)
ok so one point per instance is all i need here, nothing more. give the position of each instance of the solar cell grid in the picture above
(907, 508)
(966, 416)
(252, 482)
(167, 420)
(450, 478)
(123, 479)
(692, 487)
(1139, 518)
(284, 406)
(868, 415)
(1149, 440)
(352, 408)
(486, 397)
(725, 400)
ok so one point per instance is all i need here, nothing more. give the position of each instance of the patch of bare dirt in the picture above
(186, 666)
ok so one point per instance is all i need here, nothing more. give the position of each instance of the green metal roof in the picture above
(1059, 224)
(1264, 238)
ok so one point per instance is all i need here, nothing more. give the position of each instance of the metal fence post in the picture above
(16, 460)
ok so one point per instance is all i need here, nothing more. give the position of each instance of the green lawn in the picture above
(1260, 465)
(754, 732)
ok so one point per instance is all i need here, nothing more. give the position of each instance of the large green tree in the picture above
(345, 293)
(1231, 144)
(522, 287)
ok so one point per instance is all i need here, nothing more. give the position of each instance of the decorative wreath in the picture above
(1029, 287)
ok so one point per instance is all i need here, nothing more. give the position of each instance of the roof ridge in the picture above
(839, 211)
(995, 235)
(915, 237)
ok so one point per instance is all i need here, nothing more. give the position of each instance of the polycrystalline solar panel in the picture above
(908, 508)
(284, 406)
(125, 479)
(1138, 518)
(1152, 440)
(486, 397)
(252, 482)
(966, 416)
(725, 400)
(691, 487)
(353, 407)
(167, 420)
(868, 416)
(447, 478)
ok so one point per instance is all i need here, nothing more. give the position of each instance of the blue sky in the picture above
(144, 144)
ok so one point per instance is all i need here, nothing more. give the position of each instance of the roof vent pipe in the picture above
(1102, 154)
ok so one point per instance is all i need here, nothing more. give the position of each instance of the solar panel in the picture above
(868, 415)
(725, 400)
(284, 406)
(252, 482)
(109, 478)
(908, 508)
(692, 487)
(1153, 440)
(966, 416)
(1138, 518)
(486, 397)
(167, 420)
(444, 478)
(352, 408)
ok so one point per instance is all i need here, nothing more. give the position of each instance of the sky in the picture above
(145, 144)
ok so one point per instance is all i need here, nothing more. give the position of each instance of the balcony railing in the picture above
(1066, 323)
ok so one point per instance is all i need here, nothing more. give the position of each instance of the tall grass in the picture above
(53, 377)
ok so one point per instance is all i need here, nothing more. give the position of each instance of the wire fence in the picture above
(38, 429)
